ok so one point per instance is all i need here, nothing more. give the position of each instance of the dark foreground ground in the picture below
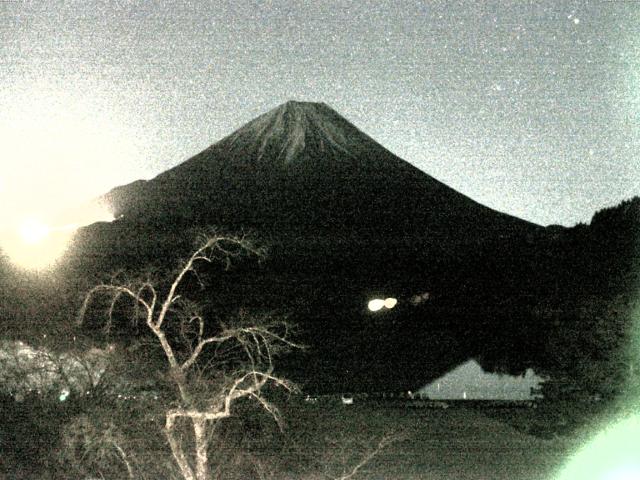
(464, 441)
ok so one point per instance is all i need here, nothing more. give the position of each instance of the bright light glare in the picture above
(85, 214)
(390, 302)
(376, 304)
(613, 455)
(60, 149)
(624, 473)
(35, 245)
(33, 231)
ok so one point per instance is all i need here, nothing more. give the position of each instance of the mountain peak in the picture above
(297, 107)
(302, 104)
(293, 127)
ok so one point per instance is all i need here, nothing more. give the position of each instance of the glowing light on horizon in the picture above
(33, 248)
(35, 245)
(34, 231)
(60, 150)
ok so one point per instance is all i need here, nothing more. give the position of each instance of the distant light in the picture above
(390, 302)
(33, 231)
(420, 298)
(64, 394)
(376, 304)
(36, 245)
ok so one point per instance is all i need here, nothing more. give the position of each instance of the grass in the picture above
(326, 439)
(456, 443)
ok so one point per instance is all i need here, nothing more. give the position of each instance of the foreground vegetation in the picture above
(319, 441)
(183, 397)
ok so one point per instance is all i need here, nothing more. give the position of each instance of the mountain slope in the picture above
(303, 166)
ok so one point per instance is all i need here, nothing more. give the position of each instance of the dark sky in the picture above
(530, 107)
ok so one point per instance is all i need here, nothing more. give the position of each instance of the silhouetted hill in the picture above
(302, 167)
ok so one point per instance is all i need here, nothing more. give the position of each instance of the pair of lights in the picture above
(378, 304)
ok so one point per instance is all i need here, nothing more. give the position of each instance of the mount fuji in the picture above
(303, 167)
(345, 220)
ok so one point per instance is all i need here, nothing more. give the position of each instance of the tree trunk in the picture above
(202, 460)
(176, 450)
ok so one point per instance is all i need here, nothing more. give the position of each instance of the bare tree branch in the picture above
(258, 340)
(370, 454)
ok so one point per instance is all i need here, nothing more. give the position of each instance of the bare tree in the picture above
(353, 455)
(184, 335)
